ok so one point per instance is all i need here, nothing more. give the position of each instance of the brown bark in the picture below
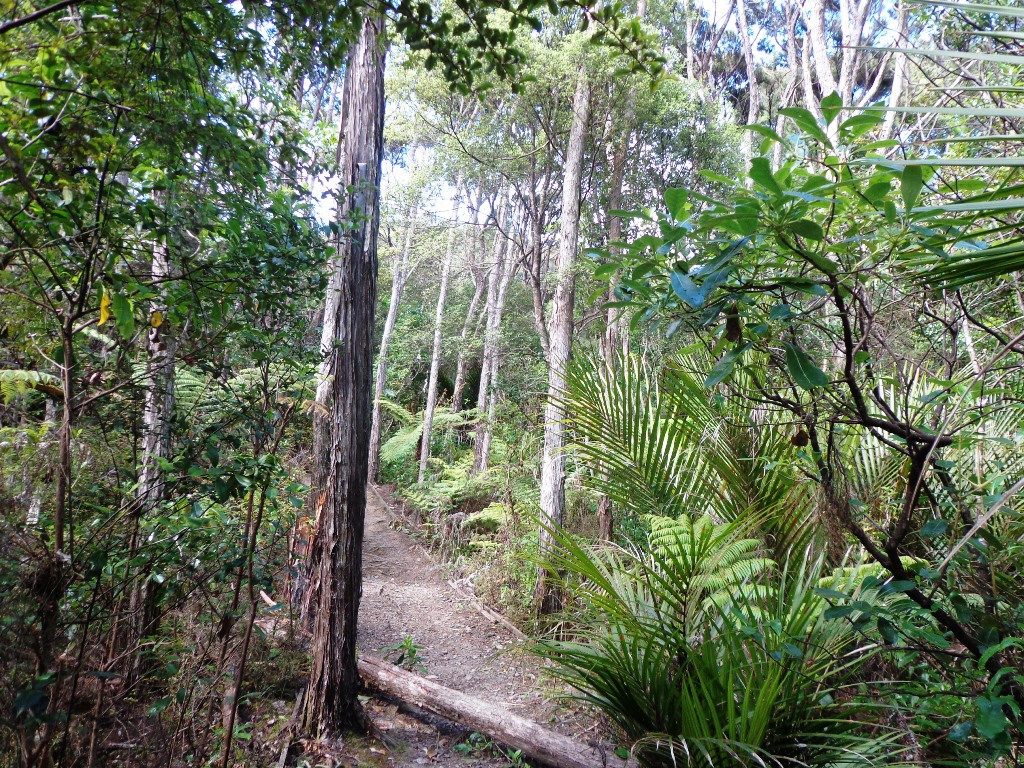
(332, 606)
(536, 742)
(560, 330)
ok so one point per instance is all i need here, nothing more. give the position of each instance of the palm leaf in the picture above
(1005, 254)
(658, 445)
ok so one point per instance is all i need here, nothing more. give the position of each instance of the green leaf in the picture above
(839, 612)
(829, 594)
(768, 133)
(902, 585)
(761, 173)
(991, 721)
(675, 201)
(124, 316)
(803, 370)
(910, 185)
(887, 631)
(807, 229)
(934, 528)
(831, 106)
(686, 289)
(807, 122)
(858, 125)
(723, 368)
(961, 731)
(1003, 10)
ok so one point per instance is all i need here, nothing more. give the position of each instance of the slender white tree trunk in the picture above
(492, 378)
(498, 278)
(792, 76)
(900, 75)
(157, 417)
(560, 330)
(401, 274)
(435, 353)
(158, 406)
(474, 253)
(753, 89)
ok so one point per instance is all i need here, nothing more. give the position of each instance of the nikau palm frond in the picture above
(970, 258)
(658, 445)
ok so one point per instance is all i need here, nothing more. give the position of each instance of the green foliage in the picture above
(703, 652)
(398, 451)
(799, 279)
(406, 654)
(658, 445)
(490, 518)
(14, 383)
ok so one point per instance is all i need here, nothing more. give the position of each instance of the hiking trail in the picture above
(405, 595)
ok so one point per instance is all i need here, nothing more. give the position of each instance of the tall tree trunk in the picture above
(401, 274)
(332, 606)
(462, 363)
(548, 597)
(435, 352)
(900, 74)
(474, 253)
(616, 335)
(753, 89)
(498, 279)
(792, 76)
(158, 406)
(492, 378)
(157, 417)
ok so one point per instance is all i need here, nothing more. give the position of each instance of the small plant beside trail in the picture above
(406, 654)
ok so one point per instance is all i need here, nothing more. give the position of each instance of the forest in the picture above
(582, 383)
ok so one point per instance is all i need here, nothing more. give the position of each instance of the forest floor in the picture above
(407, 597)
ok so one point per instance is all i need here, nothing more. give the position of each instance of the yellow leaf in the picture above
(104, 308)
(156, 319)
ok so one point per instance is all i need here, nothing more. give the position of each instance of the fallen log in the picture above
(536, 742)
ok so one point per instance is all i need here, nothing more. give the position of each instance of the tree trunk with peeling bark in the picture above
(547, 597)
(330, 704)
(157, 417)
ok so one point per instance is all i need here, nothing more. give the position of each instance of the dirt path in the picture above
(406, 596)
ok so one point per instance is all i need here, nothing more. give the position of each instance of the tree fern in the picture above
(191, 387)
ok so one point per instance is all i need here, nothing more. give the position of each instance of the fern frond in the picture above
(398, 412)
(16, 382)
